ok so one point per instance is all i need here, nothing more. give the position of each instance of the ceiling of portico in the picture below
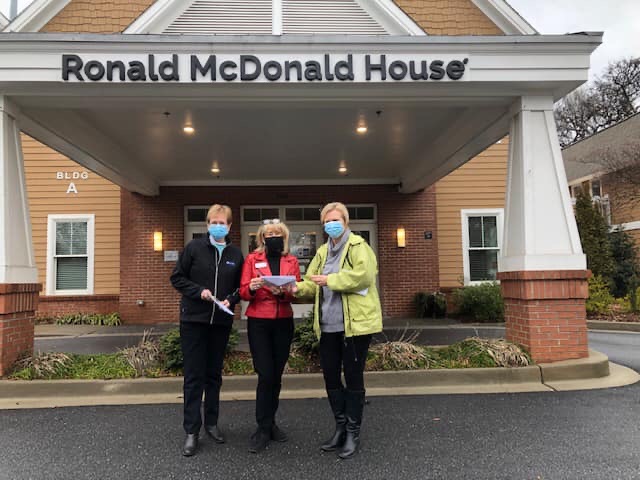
(269, 142)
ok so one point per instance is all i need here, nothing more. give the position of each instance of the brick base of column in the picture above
(545, 312)
(18, 304)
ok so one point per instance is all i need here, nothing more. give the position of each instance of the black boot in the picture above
(354, 404)
(259, 440)
(214, 432)
(190, 444)
(336, 400)
(277, 435)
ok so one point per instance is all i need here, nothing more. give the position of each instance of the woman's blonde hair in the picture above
(340, 207)
(278, 228)
(216, 209)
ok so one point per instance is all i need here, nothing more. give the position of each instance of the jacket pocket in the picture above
(193, 307)
(363, 313)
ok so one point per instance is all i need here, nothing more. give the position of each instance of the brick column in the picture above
(18, 304)
(545, 312)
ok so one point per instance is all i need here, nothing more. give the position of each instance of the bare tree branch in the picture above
(610, 99)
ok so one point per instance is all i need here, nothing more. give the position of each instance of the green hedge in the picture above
(482, 303)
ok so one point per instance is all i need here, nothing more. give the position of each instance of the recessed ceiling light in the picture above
(362, 129)
(342, 169)
(189, 130)
(215, 170)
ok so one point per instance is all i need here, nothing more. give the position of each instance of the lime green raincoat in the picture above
(356, 281)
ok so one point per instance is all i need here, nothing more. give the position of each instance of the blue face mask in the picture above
(334, 229)
(218, 231)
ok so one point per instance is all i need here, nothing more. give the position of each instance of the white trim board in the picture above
(505, 17)
(36, 16)
(50, 284)
(626, 226)
(4, 21)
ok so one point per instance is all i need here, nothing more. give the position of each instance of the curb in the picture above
(595, 366)
(615, 326)
(589, 373)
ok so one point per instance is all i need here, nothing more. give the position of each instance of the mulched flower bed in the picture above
(617, 317)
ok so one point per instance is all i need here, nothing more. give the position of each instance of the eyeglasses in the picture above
(272, 221)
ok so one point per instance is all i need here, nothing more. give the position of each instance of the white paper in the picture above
(363, 292)
(279, 280)
(221, 306)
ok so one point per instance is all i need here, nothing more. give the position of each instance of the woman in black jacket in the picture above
(209, 268)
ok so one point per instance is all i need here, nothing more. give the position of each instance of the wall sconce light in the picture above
(401, 236)
(157, 241)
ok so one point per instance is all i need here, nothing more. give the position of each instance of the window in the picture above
(596, 188)
(482, 235)
(70, 254)
(258, 214)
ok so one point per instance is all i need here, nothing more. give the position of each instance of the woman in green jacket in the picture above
(342, 280)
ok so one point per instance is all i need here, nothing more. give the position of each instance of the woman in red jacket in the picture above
(270, 324)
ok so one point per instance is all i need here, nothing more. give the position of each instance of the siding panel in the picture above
(481, 183)
(47, 195)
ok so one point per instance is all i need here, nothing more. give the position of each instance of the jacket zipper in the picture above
(215, 285)
(346, 297)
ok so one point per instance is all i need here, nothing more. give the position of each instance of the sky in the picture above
(619, 19)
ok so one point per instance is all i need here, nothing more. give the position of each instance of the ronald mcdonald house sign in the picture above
(262, 68)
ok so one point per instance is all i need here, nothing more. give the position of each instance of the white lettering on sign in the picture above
(72, 188)
(72, 175)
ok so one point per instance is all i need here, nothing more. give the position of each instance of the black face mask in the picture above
(275, 245)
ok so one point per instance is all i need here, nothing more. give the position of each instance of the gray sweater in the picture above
(332, 318)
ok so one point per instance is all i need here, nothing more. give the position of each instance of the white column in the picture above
(17, 262)
(540, 230)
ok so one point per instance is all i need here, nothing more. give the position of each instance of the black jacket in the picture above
(200, 267)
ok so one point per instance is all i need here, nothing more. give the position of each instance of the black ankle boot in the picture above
(214, 432)
(190, 444)
(336, 400)
(277, 435)
(259, 440)
(354, 404)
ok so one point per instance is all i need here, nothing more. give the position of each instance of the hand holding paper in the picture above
(224, 305)
(279, 280)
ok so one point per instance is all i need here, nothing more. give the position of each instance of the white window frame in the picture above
(477, 212)
(52, 220)
(191, 207)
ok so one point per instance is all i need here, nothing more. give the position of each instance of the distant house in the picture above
(594, 165)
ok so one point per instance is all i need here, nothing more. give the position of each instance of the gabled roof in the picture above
(36, 15)
(162, 12)
(584, 158)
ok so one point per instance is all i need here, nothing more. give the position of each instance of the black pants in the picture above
(203, 348)
(338, 351)
(270, 342)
